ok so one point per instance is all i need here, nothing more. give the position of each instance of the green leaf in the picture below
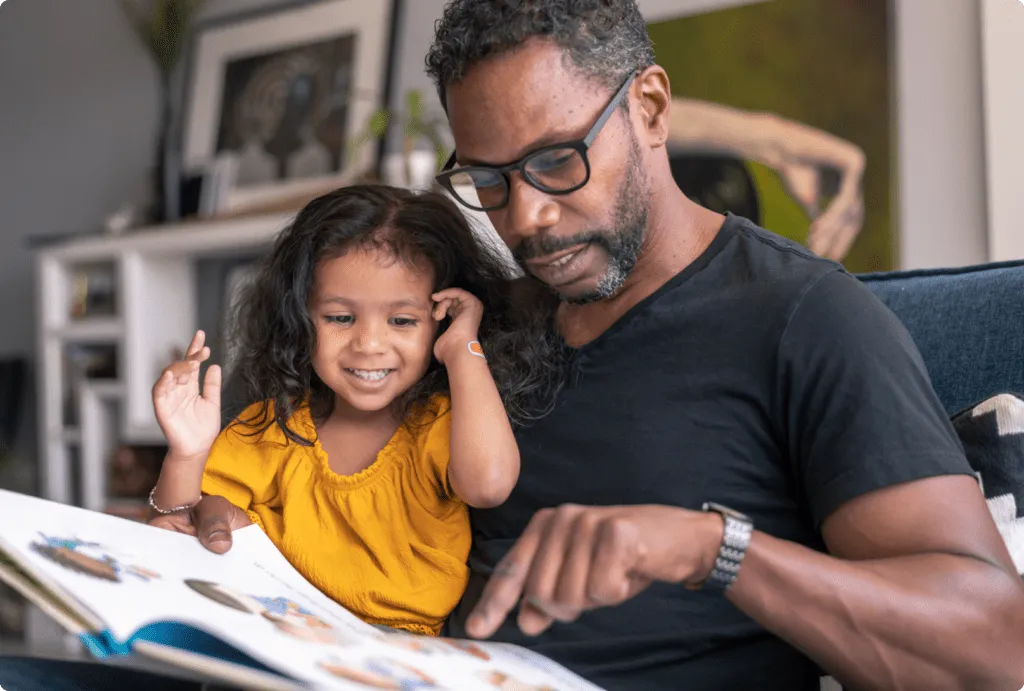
(442, 153)
(414, 104)
(379, 122)
(162, 26)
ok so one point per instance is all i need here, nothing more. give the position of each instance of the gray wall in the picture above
(941, 147)
(78, 121)
(78, 118)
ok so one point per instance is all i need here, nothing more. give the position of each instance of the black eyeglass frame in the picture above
(581, 146)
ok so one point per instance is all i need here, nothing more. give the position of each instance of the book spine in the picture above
(103, 645)
(114, 646)
(95, 645)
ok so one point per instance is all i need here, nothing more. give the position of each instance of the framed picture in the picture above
(791, 122)
(282, 91)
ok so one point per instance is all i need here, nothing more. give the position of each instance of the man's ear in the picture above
(653, 96)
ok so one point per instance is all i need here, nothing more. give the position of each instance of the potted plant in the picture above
(163, 26)
(417, 166)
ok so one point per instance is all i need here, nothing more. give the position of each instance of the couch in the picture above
(968, 324)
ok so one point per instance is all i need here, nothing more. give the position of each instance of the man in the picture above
(711, 363)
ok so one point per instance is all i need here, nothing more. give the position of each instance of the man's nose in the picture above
(529, 211)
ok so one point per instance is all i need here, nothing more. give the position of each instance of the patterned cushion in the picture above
(992, 433)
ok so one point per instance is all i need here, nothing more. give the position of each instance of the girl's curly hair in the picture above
(276, 335)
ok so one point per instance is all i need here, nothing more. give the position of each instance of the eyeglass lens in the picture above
(553, 170)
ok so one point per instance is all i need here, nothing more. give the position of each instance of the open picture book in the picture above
(245, 618)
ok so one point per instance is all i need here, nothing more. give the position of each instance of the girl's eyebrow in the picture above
(410, 302)
(403, 302)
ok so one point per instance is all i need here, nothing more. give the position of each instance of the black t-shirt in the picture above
(761, 377)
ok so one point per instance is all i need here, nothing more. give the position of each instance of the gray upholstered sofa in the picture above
(968, 324)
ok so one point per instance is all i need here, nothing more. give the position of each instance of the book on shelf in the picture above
(246, 618)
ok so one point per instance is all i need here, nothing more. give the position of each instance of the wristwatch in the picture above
(738, 529)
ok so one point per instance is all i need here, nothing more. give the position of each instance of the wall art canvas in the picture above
(782, 112)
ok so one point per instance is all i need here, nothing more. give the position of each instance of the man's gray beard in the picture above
(622, 247)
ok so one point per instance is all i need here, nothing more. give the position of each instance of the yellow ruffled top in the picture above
(389, 543)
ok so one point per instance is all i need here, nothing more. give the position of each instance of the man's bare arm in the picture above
(920, 593)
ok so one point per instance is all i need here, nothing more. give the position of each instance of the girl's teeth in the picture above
(371, 374)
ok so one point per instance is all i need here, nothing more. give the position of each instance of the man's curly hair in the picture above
(604, 39)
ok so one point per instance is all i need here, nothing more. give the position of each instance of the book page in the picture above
(130, 575)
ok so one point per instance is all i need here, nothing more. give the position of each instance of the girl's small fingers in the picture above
(441, 309)
(184, 371)
(176, 369)
(200, 355)
(197, 343)
(163, 383)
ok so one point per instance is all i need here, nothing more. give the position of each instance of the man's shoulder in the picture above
(770, 259)
(752, 266)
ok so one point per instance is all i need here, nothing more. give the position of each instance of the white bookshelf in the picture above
(156, 311)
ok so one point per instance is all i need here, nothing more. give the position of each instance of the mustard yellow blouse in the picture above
(389, 543)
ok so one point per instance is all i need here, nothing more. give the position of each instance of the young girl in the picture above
(377, 418)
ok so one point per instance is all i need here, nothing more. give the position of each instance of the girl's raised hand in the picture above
(466, 312)
(189, 419)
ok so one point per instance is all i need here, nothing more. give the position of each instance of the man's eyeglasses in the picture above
(554, 169)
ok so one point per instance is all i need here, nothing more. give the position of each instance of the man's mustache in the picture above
(543, 245)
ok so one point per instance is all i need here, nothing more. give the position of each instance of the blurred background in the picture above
(150, 149)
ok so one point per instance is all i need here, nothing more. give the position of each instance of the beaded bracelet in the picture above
(175, 509)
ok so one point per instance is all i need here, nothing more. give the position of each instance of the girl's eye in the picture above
(403, 321)
(339, 318)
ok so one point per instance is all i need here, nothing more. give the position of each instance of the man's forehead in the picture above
(514, 100)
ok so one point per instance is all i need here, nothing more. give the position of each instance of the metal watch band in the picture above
(735, 540)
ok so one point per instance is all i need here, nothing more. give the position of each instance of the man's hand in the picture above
(575, 558)
(211, 520)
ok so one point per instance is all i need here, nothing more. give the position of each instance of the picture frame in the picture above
(282, 91)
